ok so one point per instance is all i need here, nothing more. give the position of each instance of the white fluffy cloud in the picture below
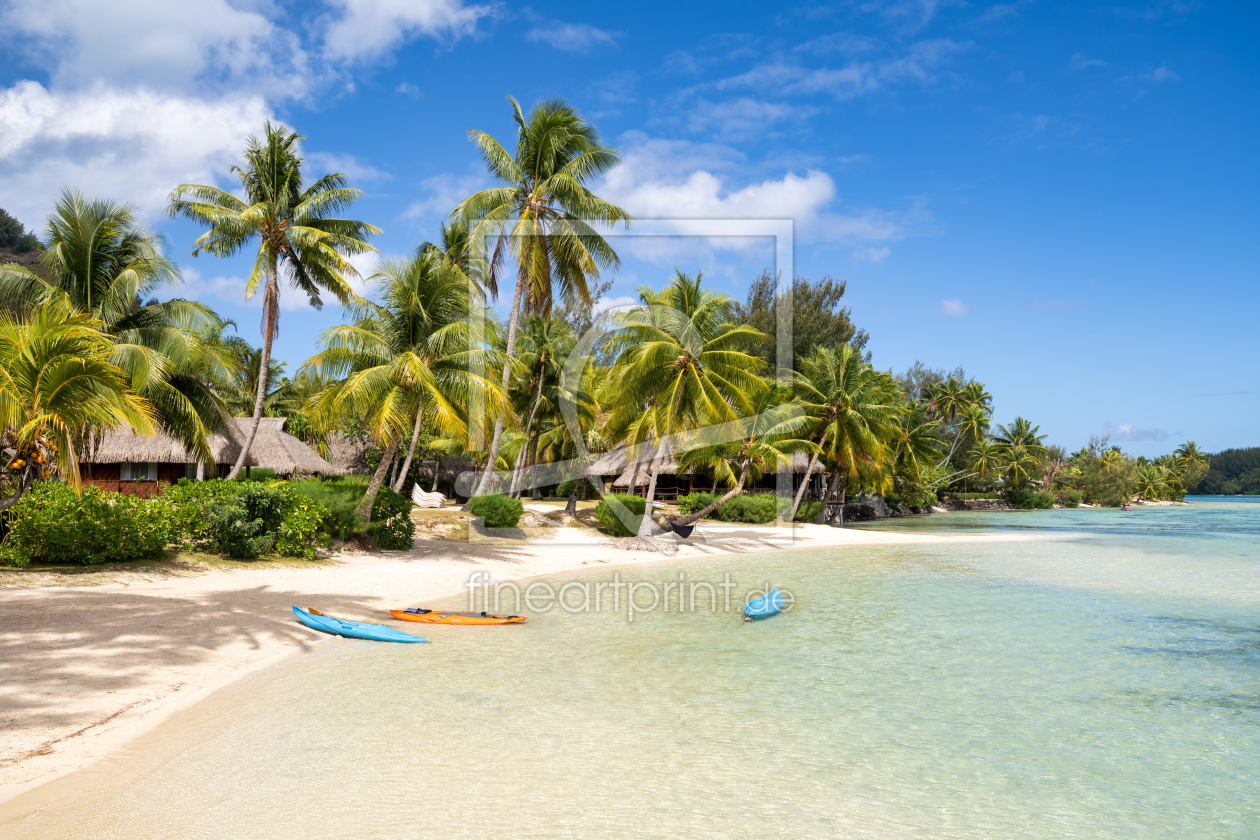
(367, 28)
(105, 141)
(211, 45)
(148, 94)
(670, 179)
(442, 194)
(571, 37)
(1129, 432)
(954, 307)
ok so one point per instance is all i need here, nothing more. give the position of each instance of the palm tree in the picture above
(545, 345)
(297, 234)
(1019, 463)
(59, 385)
(405, 361)
(102, 263)
(915, 442)
(849, 402)
(1151, 481)
(1192, 463)
(1023, 433)
(763, 441)
(986, 458)
(544, 216)
(682, 367)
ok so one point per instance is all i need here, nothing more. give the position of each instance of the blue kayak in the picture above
(352, 629)
(767, 604)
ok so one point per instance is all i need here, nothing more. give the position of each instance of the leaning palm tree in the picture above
(58, 385)
(1152, 481)
(1191, 462)
(544, 218)
(298, 235)
(762, 442)
(102, 263)
(846, 399)
(682, 367)
(406, 361)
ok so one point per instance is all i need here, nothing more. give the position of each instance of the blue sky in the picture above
(1059, 197)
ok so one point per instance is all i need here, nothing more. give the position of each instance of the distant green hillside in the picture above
(1232, 472)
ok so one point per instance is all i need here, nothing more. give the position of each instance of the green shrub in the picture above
(970, 496)
(257, 474)
(580, 485)
(52, 523)
(189, 500)
(754, 509)
(808, 511)
(301, 529)
(497, 511)
(1030, 500)
(693, 502)
(390, 526)
(247, 519)
(610, 523)
(1068, 498)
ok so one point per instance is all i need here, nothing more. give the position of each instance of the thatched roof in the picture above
(641, 473)
(273, 448)
(346, 454)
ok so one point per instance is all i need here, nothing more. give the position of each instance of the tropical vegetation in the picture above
(687, 380)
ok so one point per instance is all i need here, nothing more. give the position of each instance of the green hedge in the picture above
(247, 519)
(390, 524)
(610, 523)
(1068, 498)
(53, 524)
(497, 511)
(755, 509)
(1030, 499)
(964, 497)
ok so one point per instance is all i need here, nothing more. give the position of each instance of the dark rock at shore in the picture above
(868, 508)
(976, 504)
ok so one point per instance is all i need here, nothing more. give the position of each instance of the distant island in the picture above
(1231, 472)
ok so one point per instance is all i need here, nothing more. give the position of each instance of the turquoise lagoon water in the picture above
(1099, 679)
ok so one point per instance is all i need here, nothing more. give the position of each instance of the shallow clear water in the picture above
(1101, 680)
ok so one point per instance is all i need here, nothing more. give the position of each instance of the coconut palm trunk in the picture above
(831, 491)
(509, 348)
(378, 478)
(645, 525)
(518, 475)
(535, 494)
(809, 472)
(411, 452)
(270, 299)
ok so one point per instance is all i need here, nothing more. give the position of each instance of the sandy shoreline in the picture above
(86, 669)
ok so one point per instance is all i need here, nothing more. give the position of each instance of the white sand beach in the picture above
(86, 668)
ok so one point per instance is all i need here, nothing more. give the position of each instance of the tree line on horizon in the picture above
(423, 368)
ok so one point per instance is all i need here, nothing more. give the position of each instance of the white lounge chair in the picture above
(427, 500)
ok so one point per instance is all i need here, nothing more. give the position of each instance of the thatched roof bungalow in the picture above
(621, 473)
(126, 462)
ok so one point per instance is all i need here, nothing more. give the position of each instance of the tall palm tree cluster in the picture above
(423, 367)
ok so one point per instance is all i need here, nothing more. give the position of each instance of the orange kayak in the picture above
(437, 617)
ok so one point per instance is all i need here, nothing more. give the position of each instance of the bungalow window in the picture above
(138, 472)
